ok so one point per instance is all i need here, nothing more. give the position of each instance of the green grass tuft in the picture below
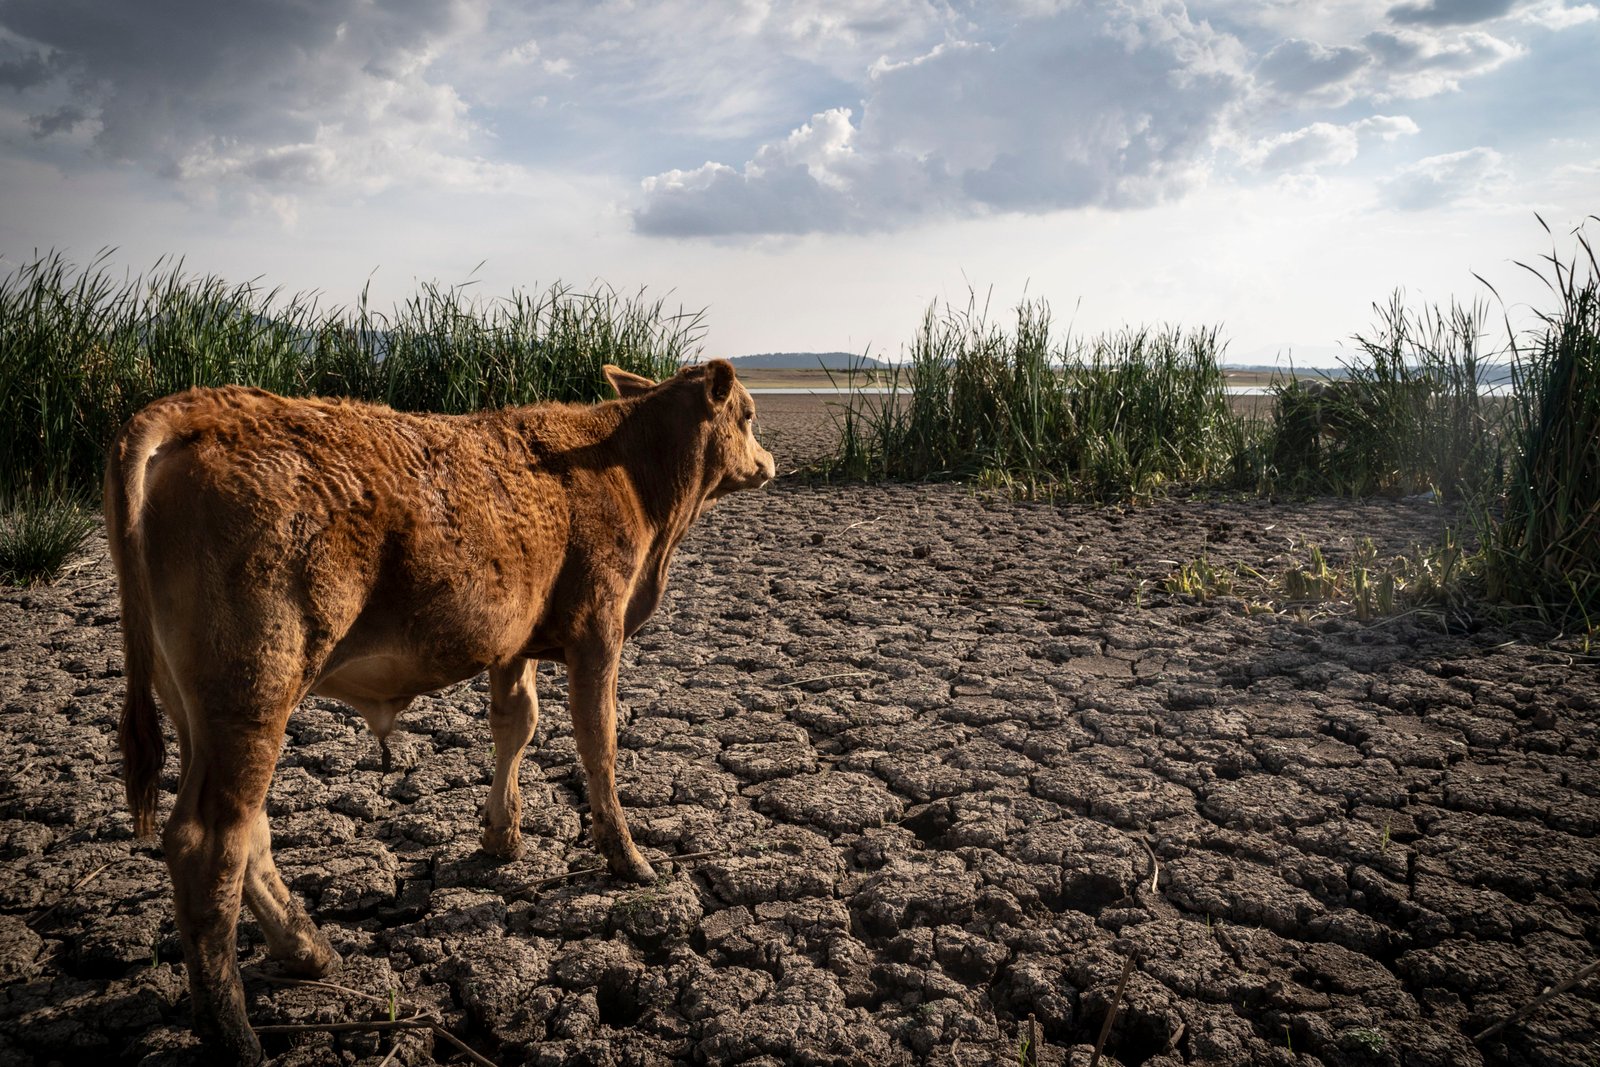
(1408, 415)
(40, 536)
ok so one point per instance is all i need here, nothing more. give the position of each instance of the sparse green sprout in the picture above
(1366, 1038)
(394, 1004)
(1201, 580)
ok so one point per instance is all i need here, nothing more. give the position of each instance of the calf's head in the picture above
(711, 396)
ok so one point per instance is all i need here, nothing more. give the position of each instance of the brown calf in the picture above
(267, 548)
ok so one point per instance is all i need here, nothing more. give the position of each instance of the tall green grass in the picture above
(1122, 413)
(1407, 416)
(82, 349)
(1544, 546)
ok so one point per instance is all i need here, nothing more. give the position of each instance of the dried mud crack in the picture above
(932, 750)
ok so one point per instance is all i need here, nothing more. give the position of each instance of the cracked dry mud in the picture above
(936, 749)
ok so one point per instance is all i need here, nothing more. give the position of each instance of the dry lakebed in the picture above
(938, 762)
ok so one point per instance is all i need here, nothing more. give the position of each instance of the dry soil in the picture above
(948, 760)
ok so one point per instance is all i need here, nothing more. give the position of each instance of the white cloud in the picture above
(1415, 64)
(801, 184)
(1112, 104)
(1297, 67)
(698, 71)
(1559, 16)
(920, 110)
(1439, 181)
(1324, 144)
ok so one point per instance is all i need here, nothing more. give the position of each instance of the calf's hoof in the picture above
(504, 843)
(630, 866)
(316, 960)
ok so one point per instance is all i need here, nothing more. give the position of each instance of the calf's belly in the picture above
(380, 686)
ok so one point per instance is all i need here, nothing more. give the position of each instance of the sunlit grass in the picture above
(1407, 416)
(1123, 414)
(81, 350)
(1544, 546)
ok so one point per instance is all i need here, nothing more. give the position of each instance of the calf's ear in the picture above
(719, 382)
(624, 383)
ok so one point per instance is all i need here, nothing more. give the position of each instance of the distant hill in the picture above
(808, 361)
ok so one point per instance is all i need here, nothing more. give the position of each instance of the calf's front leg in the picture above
(292, 938)
(592, 695)
(513, 717)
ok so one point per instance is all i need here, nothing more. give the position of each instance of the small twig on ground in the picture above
(863, 522)
(1540, 1000)
(554, 878)
(464, 1048)
(1111, 1015)
(410, 1022)
(426, 1019)
(41, 916)
(707, 854)
(580, 872)
(414, 1022)
(1177, 1036)
(1387, 619)
(312, 983)
(1155, 867)
(824, 678)
(1033, 1040)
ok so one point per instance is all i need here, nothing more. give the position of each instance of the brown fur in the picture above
(268, 548)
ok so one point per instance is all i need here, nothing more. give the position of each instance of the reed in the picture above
(81, 350)
(1544, 546)
(1118, 415)
(1407, 416)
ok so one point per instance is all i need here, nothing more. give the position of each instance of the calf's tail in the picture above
(143, 748)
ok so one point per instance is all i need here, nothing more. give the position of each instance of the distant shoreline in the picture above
(823, 382)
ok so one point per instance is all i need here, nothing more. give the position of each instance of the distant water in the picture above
(1485, 389)
(879, 390)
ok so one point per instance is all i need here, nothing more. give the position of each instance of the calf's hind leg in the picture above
(209, 841)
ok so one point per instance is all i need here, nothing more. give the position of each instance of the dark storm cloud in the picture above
(20, 69)
(1449, 12)
(61, 120)
(166, 79)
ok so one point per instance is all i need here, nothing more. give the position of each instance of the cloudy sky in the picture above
(814, 174)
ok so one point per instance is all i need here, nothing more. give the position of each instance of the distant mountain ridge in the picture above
(808, 361)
